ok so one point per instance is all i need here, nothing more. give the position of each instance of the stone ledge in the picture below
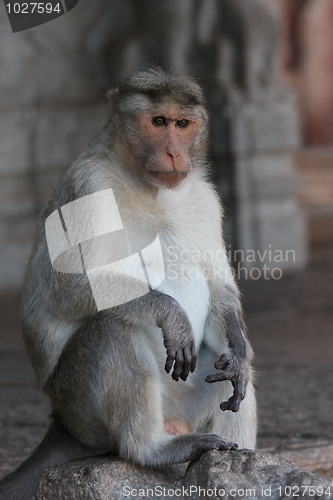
(219, 474)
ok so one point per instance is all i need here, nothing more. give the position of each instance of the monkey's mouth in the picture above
(162, 174)
(169, 179)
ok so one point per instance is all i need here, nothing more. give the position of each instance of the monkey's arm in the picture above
(226, 335)
(71, 297)
(235, 365)
(162, 310)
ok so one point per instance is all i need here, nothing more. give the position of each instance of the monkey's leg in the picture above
(106, 391)
(202, 406)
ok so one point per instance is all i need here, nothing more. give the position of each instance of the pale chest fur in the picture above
(184, 242)
(187, 222)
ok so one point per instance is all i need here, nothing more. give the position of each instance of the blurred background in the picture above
(266, 67)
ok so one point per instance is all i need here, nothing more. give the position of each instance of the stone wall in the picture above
(50, 106)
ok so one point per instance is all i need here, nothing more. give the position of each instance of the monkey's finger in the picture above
(229, 405)
(170, 360)
(222, 363)
(193, 358)
(239, 391)
(187, 363)
(232, 404)
(178, 366)
(228, 446)
(218, 377)
(235, 400)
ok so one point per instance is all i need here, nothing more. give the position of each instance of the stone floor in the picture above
(290, 324)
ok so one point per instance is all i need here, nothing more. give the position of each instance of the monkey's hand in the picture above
(235, 365)
(178, 339)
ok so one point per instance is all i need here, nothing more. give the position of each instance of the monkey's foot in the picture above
(206, 442)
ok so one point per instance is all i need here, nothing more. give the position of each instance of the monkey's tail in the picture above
(58, 446)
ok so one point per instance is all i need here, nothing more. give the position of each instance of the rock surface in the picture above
(215, 475)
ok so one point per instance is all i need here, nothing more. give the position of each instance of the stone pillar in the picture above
(268, 218)
(265, 132)
(255, 130)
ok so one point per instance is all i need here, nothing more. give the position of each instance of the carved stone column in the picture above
(255, 130)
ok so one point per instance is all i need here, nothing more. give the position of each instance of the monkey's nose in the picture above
(173, 154)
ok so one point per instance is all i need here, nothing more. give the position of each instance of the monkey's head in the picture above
(159, 126)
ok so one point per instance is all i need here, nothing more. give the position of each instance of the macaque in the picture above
(130, 313)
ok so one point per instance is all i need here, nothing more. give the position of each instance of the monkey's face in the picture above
(167, 135)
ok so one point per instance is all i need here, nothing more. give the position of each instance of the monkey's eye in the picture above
(159, 121)
(182, 123)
